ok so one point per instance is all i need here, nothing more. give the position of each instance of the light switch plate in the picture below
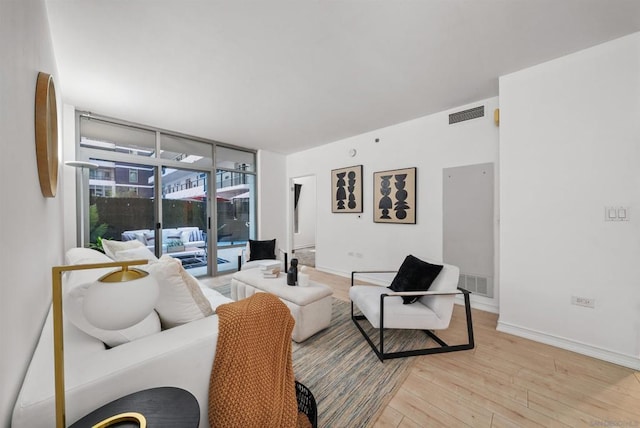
(623, 213)
(616, 213)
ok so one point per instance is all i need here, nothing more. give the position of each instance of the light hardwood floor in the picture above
(506, 381)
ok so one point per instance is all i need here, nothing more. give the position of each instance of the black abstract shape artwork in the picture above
(346, 188)
(395, 196)
(385, 202)
(351, 188)
(401, 205)
(341, 194)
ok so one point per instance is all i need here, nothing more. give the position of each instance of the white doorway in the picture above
(304, 219)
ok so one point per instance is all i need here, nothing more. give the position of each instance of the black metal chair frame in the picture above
(425, 351)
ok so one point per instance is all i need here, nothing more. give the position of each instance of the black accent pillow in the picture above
(414, 275)
(262, 250)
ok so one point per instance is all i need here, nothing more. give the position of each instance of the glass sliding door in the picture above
(235, 205)
(121, 202)
(185, 219)
(185, 203)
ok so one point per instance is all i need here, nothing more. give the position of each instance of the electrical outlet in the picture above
(583, 301)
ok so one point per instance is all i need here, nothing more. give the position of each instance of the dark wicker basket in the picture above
(307, 404)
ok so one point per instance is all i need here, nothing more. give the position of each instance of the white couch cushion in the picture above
(137, 253)
(112, 247)
(80, 256)
(181, 298)
(396, 314)
(215, 298)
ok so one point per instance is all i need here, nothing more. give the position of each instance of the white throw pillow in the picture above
(83, 256)
(112, 247)
(181, 299)
(73, 310)
(138, 253)
(185, 236)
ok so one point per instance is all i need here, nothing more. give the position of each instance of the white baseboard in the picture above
(333, 271)
(481, 306)
(304, 246)
(571, 345)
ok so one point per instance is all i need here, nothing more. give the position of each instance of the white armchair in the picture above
(384, 309)
(245, 260)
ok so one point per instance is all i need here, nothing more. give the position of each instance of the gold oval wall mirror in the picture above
(46, 127)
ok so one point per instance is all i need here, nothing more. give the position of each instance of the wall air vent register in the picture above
(461, 116)
(480, 285)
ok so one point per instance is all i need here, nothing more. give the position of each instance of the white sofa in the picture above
(190, 237)
(95, 375)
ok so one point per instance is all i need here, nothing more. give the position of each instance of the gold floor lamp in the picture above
(130, 292)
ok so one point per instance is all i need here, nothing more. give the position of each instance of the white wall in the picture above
(428, 143)
(272, 198)
(569, 146)
(306, 236)
(31, 225)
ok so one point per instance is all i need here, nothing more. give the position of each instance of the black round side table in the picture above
(164, 407)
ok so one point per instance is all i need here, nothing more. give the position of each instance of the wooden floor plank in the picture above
(516, 355)
(571, 394)
(602, 373)
(389, 418)
(431, 423)
(500, 422)
(422, 412)
(476, 390)
(611, 394)
(560, 411)
(478, 379)
(445, 399)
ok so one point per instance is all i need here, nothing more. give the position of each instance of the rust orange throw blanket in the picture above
(252, 382)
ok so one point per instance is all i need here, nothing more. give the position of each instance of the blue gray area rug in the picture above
(350, 385)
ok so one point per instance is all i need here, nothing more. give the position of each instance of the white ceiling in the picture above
(289, 75)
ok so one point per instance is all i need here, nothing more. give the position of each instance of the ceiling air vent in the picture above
(461, 116)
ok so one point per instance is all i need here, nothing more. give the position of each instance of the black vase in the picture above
(292, 273)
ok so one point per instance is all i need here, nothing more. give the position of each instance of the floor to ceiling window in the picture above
(153, 186)
(235, 204)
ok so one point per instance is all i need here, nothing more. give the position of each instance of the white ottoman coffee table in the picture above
(310, 305)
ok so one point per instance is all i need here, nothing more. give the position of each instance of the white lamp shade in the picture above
(116, 305)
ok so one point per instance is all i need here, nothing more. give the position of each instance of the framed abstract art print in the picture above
(346, 190)
(394, 196)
